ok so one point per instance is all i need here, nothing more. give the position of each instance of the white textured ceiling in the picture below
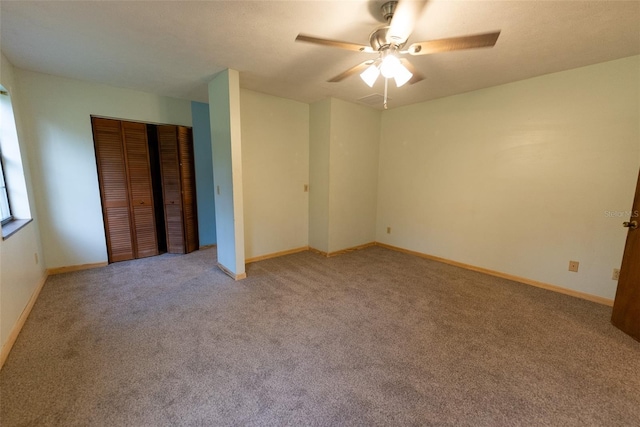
(174, 48)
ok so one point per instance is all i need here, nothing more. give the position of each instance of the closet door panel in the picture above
(188, 184)
(114, 190)
(135, 137)
(120, 244)
(191, 229)
(144, 219)
(175, 230)
(171, 188)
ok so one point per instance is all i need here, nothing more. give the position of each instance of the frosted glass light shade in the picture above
(389, 65)
(402, 75)
(370, 75)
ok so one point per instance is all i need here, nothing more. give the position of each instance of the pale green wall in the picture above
(344, 140)
(226, 139)
(518, 178)
(353, 180)
(275, 165)
(319, 140)
(57, 114)
(19, 272)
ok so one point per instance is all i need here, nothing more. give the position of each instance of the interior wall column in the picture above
(224, 111)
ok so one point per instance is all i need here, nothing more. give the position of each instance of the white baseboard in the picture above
(17, 327)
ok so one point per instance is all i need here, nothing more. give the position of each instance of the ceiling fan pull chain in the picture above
(386, 84)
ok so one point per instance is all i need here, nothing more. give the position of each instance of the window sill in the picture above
(10, 228)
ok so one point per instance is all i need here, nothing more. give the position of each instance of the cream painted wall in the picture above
(353, 182)
(519, 178)
(275, 165)
(56, 115)
(319, 141)
(20, 275)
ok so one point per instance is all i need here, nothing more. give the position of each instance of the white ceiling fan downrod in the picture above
(386, 85)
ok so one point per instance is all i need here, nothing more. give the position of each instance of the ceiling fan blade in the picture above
(351, 71)
(334, 43)
(454, 43)
(404, 19)
(416, 74)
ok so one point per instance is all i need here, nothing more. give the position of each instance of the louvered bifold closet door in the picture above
(188, 184)
(114, 190)
(171, 188)
(141, 190)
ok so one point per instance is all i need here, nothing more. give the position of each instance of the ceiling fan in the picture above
(388, 41)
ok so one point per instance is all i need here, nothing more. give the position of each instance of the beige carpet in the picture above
(369, 338)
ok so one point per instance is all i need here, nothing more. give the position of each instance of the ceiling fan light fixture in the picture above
(370, 75)
(389, 42)
(402, 75)
(389, 65)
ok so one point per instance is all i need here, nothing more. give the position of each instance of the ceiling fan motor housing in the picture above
(388, 9)
(378, 40)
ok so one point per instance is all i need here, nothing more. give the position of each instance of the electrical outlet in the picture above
(306, 188)
(616, 274)
(35, 255)
(388, 230)
(573, 266)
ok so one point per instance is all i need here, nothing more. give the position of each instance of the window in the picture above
(15, 212)
(5, 209)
